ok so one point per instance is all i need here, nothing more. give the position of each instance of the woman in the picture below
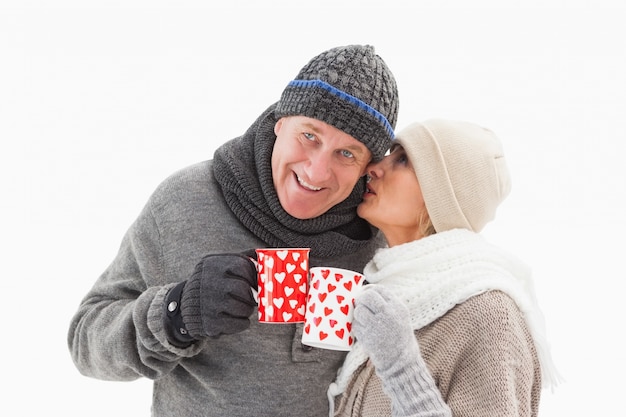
(480, 347)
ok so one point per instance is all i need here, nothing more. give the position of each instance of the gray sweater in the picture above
(118, 334)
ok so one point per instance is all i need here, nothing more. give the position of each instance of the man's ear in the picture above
(365, 169)
(278, 126)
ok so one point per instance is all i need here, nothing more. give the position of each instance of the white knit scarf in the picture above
(433, 274)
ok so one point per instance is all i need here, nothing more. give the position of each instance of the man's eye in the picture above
(347, 154)
(309, 136)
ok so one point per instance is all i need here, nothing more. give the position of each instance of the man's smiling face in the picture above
(314, 165)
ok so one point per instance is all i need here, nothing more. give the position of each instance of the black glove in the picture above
(217, 299)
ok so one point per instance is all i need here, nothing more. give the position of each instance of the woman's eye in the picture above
(401, 158)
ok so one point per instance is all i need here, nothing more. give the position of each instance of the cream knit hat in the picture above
(461, 170)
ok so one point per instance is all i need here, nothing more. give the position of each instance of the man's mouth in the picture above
(306, 185)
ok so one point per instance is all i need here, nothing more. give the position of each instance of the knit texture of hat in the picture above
(461, 171)
(350, 88)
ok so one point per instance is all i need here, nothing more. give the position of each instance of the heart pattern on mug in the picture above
(329, 307)
(282, 285)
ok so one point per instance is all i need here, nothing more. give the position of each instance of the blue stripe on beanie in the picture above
(347, 97)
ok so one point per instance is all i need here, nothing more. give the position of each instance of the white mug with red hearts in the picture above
(329, 308)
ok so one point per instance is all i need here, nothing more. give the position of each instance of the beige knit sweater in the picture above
(481, 355)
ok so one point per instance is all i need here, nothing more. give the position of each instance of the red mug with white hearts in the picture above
(330, 306)
(283, 283)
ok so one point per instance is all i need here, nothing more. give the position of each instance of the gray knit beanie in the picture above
(461, 171)
(350, 88)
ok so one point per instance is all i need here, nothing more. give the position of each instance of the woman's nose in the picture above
(374, 170)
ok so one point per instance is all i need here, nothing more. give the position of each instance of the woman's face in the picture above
(393, 199)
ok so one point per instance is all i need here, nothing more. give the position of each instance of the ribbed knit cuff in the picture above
(173, 322)
(191, 309)
(413, 391)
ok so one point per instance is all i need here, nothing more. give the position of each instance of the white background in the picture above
(101, 100)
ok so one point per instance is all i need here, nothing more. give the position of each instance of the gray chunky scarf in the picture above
(243, 169)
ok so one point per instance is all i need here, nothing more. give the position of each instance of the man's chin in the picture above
(305, 212)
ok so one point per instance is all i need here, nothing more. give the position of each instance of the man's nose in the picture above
(319, 167)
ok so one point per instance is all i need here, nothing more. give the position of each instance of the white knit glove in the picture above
(381, 325)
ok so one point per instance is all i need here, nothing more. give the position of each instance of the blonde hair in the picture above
(426, 226)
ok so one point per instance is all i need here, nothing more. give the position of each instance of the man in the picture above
(176, 304)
